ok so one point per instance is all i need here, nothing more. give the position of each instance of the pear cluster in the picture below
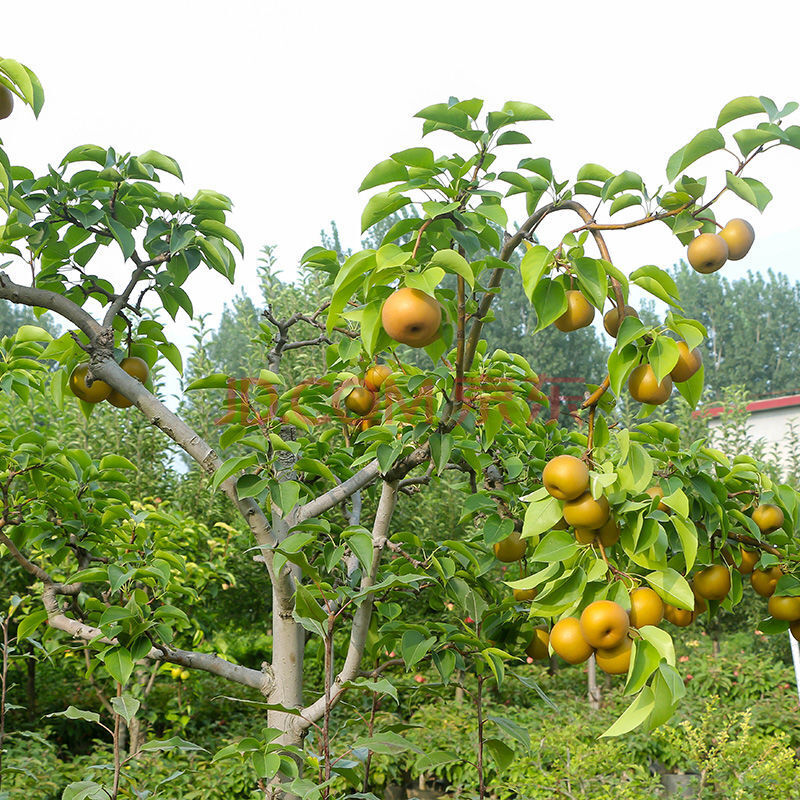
(97, 391)
(362, 399)
(708, 252)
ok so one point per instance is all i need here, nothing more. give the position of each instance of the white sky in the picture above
(285, 107)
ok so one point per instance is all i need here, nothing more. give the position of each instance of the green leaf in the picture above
(173, 743)
(126, 706)
(386, 742)
(76, 713)
(29, 624)
(740, 107)
(114, 461)
(540, 516)
(594, 172)
(688, 536)
(122, 235)
(451, 261)
(705, 142)
(549, 301)
(215, 381)
(672, 587)
(213, 228)
(659, 283)
(644, 662)
(749, 189)
(692, 390)
(32, 333)
(501, 753)
(162, 162)
(634, 715)
(663, 355)
(119, 663)
(661, 640)
(524, 111)
(232, 466)
(379, 207)
(556, 546)
(592, 280)
(620, 183)
(84, 790)
(512, 137)
(414, 646)
(620, 365)
(437, 758)
(421, 157)
(533, 265)
(624, 201)
(749, 139)
(387, 171)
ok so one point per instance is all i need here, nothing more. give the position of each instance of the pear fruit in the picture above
(579, 313)
(586, 512)
(707, 253)
(567, 641)
(135, 367)
(768, 517)
(689, 361)
(644, 387)
(565, 477)
(738, 235)
(611, 320)
(95, 393)
(6, 101)
(412, 317)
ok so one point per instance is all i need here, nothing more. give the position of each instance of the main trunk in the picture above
(288, 643)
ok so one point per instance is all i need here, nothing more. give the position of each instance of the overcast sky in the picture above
(285, 107)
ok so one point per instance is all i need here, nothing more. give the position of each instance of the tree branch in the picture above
(121, 300)
(43, 298)
(208, 662)
(325, 502)
(361, 619)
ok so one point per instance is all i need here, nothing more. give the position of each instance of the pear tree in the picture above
(317, 480)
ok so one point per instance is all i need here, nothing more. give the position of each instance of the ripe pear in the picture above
(615, 660)
(738, 235)
(611, 320)
(647, 608)
(707, 253)
(537, 648)
(787, 608)
(609, 534)
(567, 641)
(510, 549)
(678, 616)
(135, 367)
(604, 623)
(95, 393)
(713, 583)
(586, 512)
(768, 517)
(412, 317)
(579, 313)
(688, 363)
(360, 400)
(565, 477)
(644, 387)
(764, 581)
(376, 376)
(6, 102)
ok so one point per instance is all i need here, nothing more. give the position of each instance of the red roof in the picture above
(759, 405)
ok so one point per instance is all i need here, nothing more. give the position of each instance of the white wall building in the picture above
(769, 422)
